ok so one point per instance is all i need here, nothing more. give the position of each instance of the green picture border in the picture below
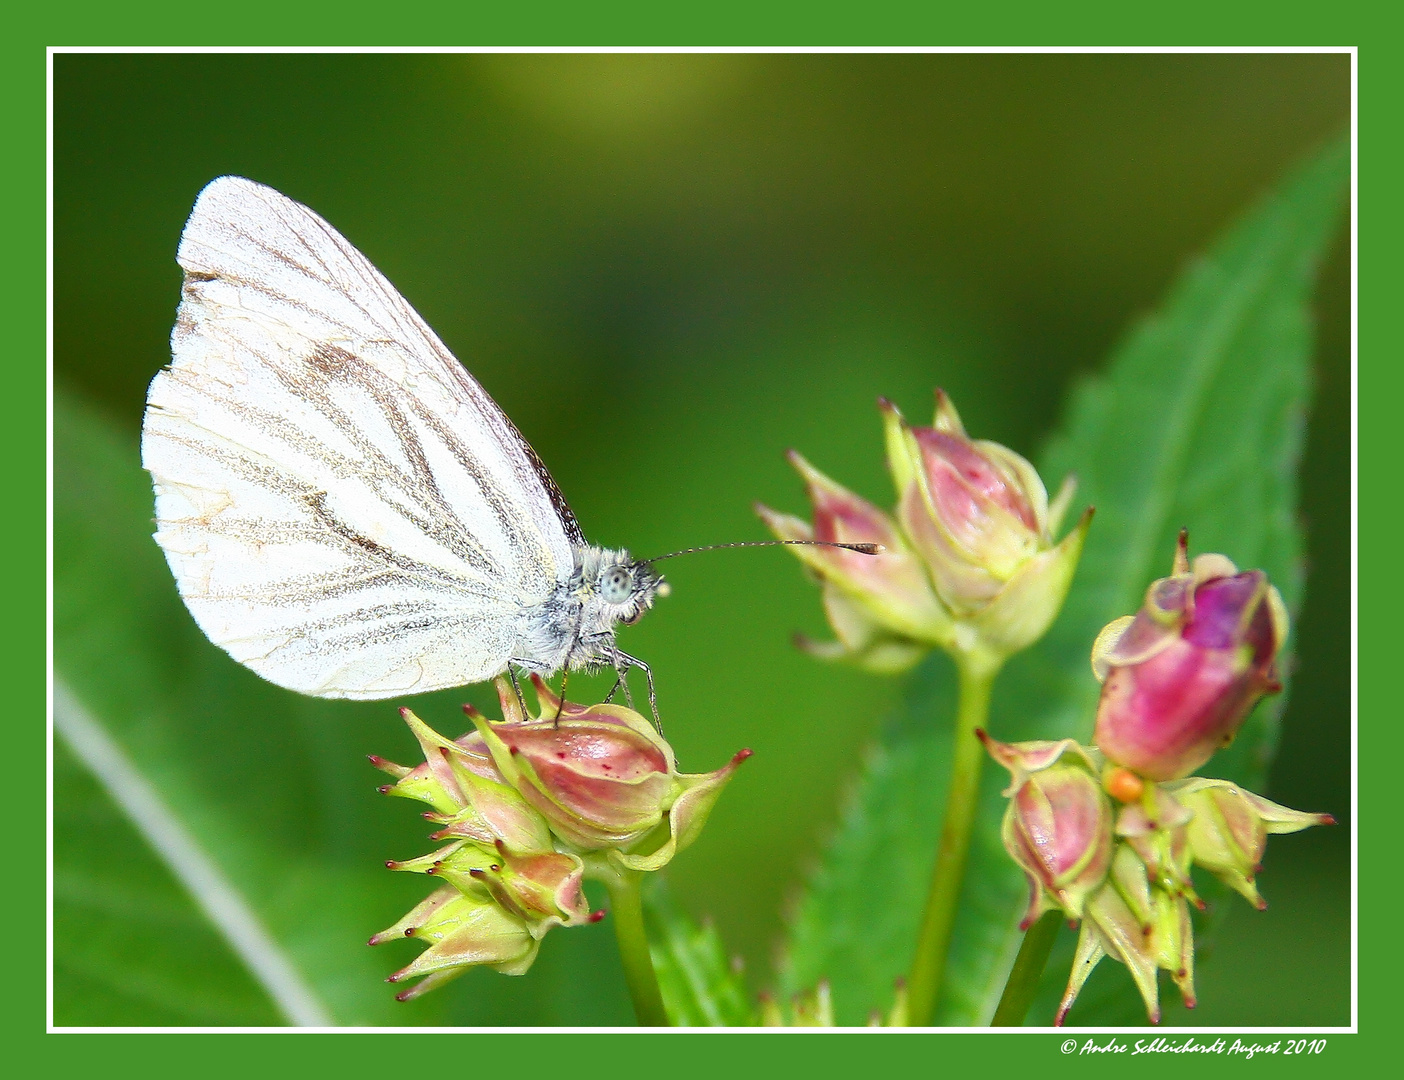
(718, 23)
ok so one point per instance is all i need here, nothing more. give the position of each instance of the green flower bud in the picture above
(1228, 830)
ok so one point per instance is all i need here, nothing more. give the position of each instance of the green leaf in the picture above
(1198, 421)
(700, 984)
(272, 788)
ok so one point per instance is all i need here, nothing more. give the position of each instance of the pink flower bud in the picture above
(1182, 675)
(544, 890)
(979, 517)
(871, 598)
(969, 562)
(1058, 825)
(602, 777)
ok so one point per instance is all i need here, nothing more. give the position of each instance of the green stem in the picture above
(1022, 983)
(626, 911)
(968, 755)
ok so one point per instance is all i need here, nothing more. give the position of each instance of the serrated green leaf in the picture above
(701, 986)
(1198, 421)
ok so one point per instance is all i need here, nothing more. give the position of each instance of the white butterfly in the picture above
(344, 508)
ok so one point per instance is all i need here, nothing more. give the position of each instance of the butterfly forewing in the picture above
(344, 508)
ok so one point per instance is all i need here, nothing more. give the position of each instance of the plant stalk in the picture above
(976, 675)
(626, 911)
(1022, 983)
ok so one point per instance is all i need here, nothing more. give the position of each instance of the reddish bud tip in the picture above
(1024, 924)
(1190, 1002)
(391, 864)
(384, 789)
(983, 736)
(1261, 905)
(596, 916)
(395, 977)
(375, 940)
(405, 713)
(1327, 819)
(409, 931)
(404, 995)
(475, 872)
(742, 755)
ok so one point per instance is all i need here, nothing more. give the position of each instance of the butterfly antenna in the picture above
(862, 549)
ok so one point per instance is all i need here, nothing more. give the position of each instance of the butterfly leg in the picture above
(624, 662)
(516, 685)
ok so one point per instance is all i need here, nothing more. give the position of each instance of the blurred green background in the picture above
(667, 270)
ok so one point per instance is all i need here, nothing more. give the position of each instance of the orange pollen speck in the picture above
(1123, 785)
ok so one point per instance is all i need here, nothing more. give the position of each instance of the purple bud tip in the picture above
(1062, 1012)
(404, 995)
(886, 406)
(374, 759)
(395, 977)
(385, 789)
(375, 940)
(404, 713)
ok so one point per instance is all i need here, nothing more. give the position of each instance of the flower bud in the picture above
(879, 605)
(1181, 676)
(602, 777)
(978, 515)
(1058, 825)
(463, 931)
(544, 890)
(1228, 831)
(530, 806)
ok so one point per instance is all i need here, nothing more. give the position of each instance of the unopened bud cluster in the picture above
(528, 808)
(969, 561)
(1108, 833)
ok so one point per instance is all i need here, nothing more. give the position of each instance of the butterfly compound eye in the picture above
(617, 585)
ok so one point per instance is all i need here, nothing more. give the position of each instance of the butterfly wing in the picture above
(344, 508)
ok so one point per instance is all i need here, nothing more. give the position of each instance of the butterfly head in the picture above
(627, 587)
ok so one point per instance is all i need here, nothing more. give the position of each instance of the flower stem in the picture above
(626, 910)
(933, 941)
(1028, 966)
